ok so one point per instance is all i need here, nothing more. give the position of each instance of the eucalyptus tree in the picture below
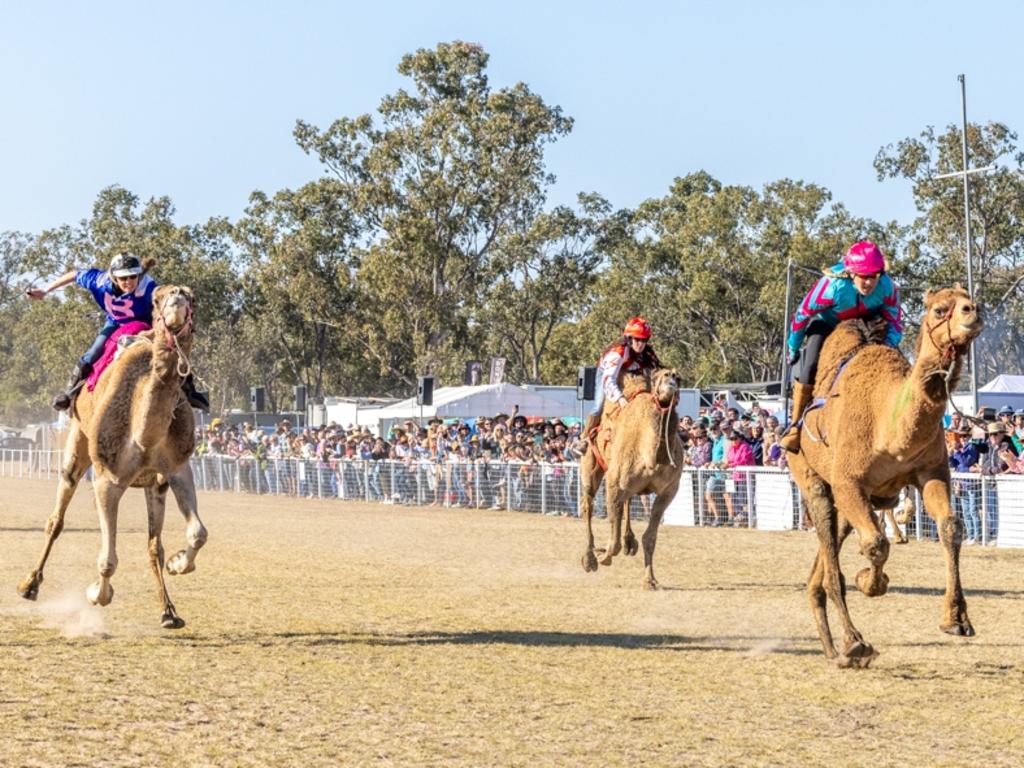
(938, 245)
(445, 171)
(546, 271)
(300, 302)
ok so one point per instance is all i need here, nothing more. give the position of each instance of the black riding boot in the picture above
(64, 400)
(195, 398)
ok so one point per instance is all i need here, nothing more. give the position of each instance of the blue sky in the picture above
(197, 100)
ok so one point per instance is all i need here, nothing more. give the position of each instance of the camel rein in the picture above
(664, 425)
(171, 339)
(953, 352)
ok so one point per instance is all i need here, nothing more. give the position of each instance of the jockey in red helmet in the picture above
(630, 354)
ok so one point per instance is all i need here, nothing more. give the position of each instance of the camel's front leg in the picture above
(590, 480)
(75, 464)
(936, 504)
(184, 488)
(108, 495)
(156, 503)
(650, 537)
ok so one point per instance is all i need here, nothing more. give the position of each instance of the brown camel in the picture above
(880, 429)
(645, 456)
(136, 429)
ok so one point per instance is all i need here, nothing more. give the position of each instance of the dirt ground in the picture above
(324, 633)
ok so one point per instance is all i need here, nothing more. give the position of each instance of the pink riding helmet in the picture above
(864, 258)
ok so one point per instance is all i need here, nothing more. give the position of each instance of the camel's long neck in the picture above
(919, 404)
(158, 397)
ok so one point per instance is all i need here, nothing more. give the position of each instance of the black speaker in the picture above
(300, 398)
(425, 390)
(256, 399)
(586, 383)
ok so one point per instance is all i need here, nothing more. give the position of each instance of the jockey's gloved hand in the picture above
(794, 357)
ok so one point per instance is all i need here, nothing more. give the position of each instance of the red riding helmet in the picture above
(637, 328)
(864, 258)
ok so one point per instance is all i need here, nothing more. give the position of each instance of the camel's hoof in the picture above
(902, 541)
(959, 629)
(650, 585)
(604, 557)
(96, 595)
(631, 547)
(179, 565)
(857, 655)
(870, 588)
(171, 621)
(589, 562)
(29, 588)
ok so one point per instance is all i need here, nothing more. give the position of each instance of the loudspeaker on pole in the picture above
(586, 383)
(425, 390)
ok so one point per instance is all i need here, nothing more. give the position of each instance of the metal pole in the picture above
(785, 335)
(967, 233)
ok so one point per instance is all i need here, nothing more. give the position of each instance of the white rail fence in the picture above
(765, 498)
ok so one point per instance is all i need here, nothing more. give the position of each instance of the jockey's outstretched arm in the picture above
(38, 293)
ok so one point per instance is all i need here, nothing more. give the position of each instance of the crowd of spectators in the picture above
(983, 448)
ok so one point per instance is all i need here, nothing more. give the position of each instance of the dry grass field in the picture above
(323, 634)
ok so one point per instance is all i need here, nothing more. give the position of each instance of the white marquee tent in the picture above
(468, 402)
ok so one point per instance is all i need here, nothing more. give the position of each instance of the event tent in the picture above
(469, 402)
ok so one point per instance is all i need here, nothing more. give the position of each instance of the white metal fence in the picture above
(992, 508)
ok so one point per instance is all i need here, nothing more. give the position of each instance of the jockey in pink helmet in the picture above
(857, 287)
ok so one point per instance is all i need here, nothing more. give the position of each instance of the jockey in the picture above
(856, 287)
(125, 294)
(630, 354)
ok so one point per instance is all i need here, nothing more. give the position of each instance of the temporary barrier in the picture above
(765, 498)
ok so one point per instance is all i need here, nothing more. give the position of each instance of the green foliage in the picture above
(452, 169)
(938, 252)
(427, 243)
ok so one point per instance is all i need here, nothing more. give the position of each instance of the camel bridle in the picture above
(171, 336)
(665, 421)
(951, 353)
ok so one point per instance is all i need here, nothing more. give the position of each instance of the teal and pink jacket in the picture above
(834, 299)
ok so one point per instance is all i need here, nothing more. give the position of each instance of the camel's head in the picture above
(172, 308)
(951, 321)
(665, 383)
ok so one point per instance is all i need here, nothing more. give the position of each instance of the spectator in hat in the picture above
(991, 463)
(737, 454)
(965, 490)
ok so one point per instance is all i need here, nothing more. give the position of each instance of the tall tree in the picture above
(939, 248)
(449, 169)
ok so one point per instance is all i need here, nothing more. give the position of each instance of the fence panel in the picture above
(991, 508)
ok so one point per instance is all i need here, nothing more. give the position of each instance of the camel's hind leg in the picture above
(156, 503)
(650, 537)
(590, 480)
(184, 488)
(108, 495)
(618, 504)
(828, 575)
(817, 596)
(936, 504)
(75, 464)
(630, 545)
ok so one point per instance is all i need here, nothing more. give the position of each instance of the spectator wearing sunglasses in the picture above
(857, 287)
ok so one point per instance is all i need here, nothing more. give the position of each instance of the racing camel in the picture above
(644, 456)
(136, 429)
(875, 427)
